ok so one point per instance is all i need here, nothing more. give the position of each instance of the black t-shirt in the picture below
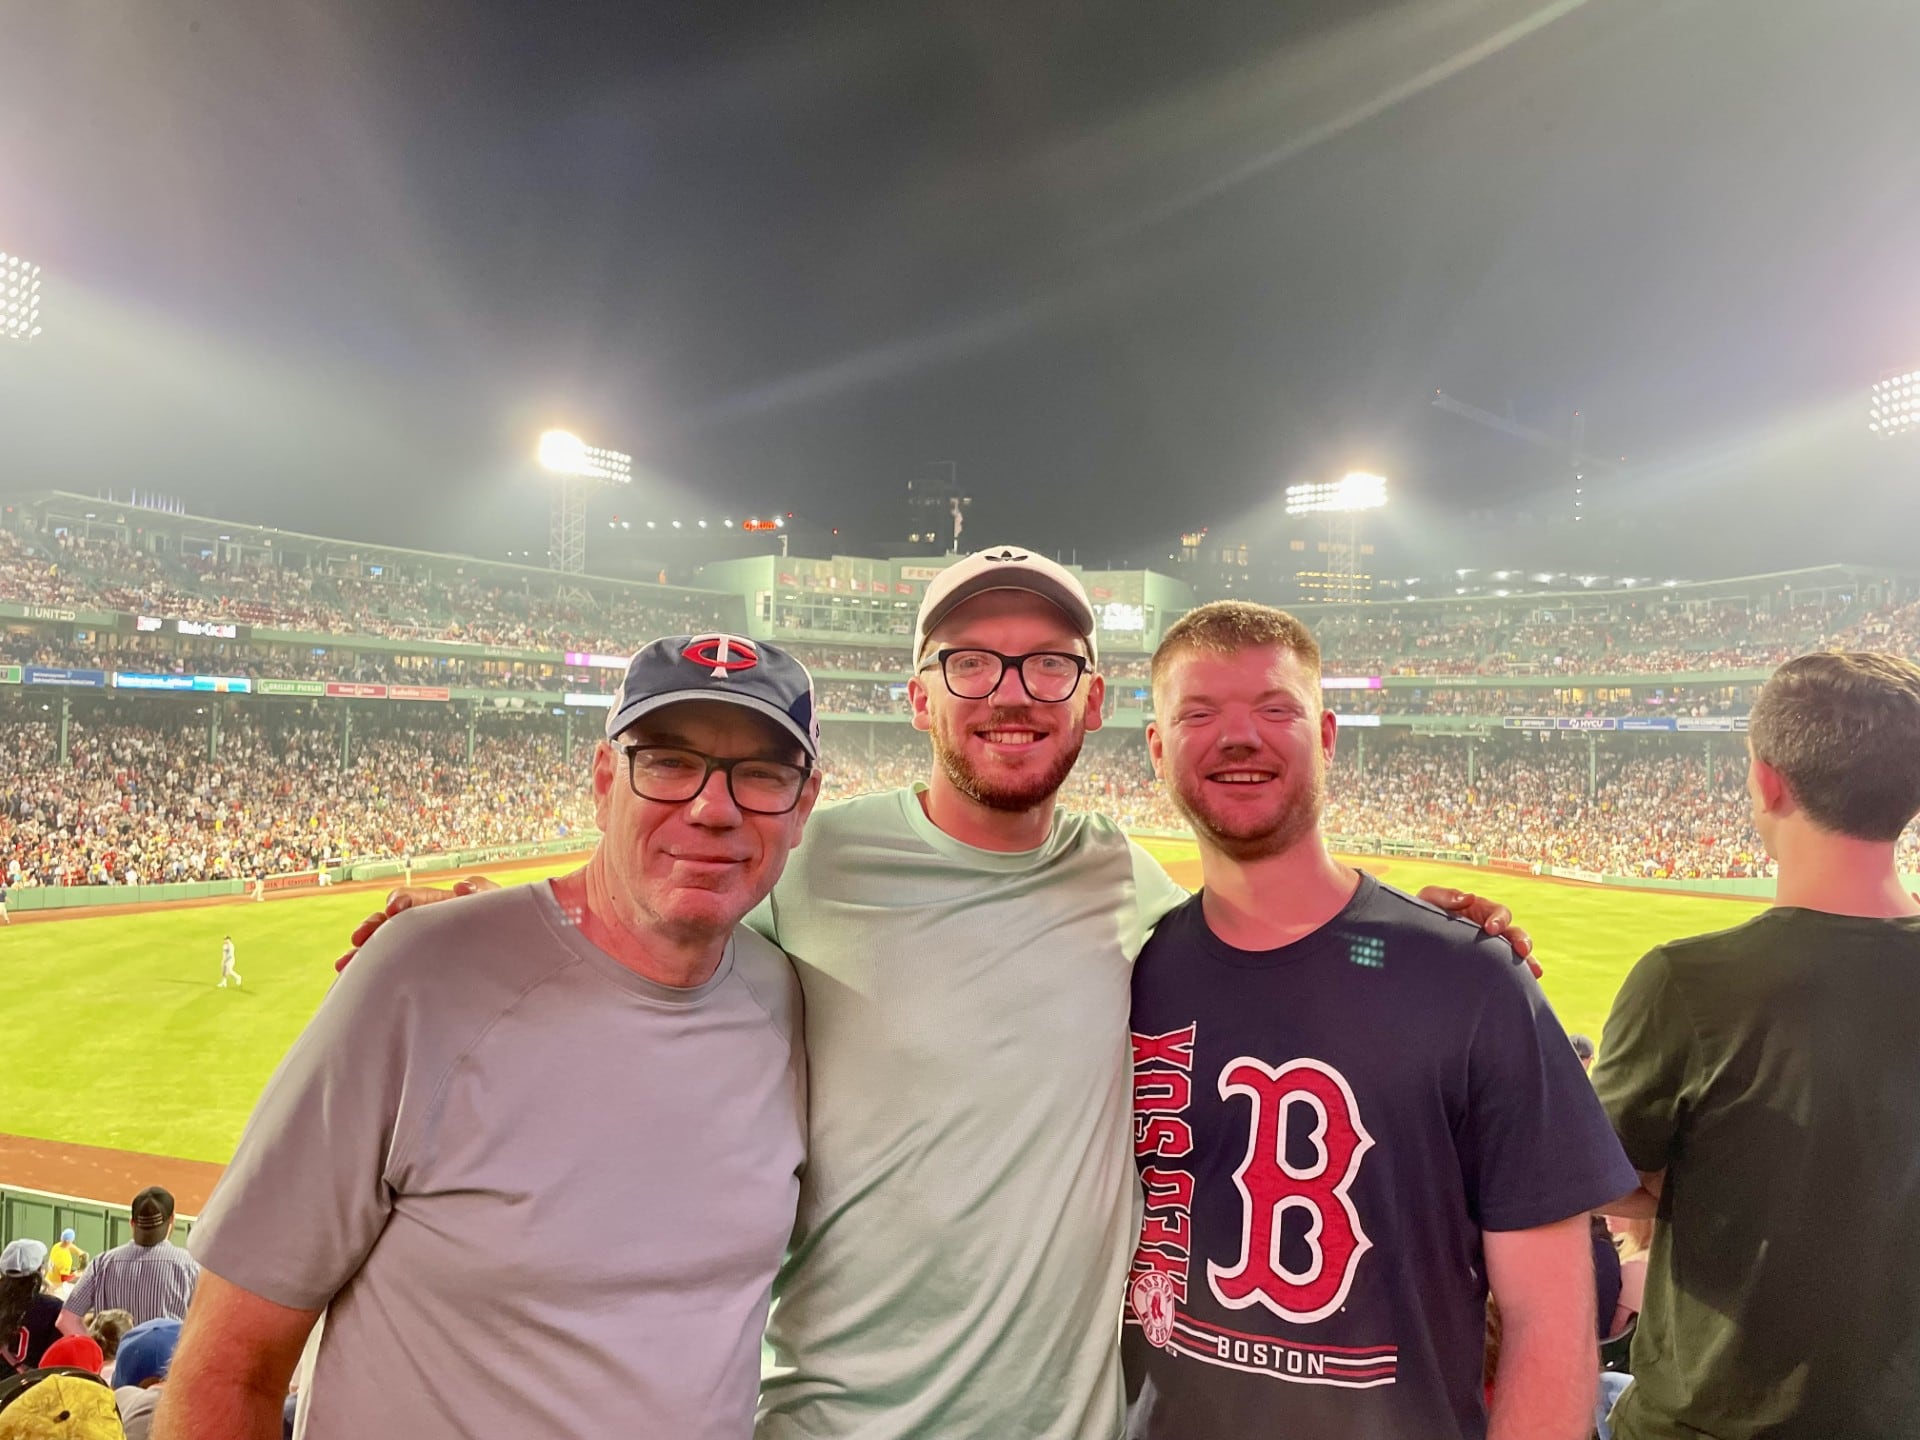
(1772, 1070)
(1323, 1132)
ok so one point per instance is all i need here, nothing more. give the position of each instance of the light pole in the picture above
(1342, 501)
(19, 298)
(576, 466)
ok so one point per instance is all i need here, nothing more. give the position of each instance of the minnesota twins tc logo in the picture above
(722, 653)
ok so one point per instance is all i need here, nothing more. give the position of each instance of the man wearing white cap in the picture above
(967, 1214)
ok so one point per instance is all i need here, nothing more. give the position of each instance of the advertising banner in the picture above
(1350, 682)
(597, 662)
(9, 674)
(603, 702)
(1649, 722)
(125, 681)
(289, 687)
(52, 675)
(417, 692)
(1721, 724)
(1561, 722)
(341, 690)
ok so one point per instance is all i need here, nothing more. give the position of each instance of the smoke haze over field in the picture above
(1130, 267)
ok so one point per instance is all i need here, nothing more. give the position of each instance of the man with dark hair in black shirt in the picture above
(1766, 1083)
(1354, 1117)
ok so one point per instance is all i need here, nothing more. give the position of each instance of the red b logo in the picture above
(722, 654)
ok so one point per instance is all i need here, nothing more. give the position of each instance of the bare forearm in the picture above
(1546, 1384)
(194, 1407)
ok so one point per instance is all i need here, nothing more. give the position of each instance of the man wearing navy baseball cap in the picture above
(608, 1059)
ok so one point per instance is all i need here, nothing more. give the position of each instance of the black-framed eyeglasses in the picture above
(1049, 675)
(670, 775)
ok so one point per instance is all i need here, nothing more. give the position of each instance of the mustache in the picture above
(1012, 717)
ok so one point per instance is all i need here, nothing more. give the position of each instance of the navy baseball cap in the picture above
(756, 676)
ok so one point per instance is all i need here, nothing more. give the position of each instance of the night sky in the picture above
(333, 264)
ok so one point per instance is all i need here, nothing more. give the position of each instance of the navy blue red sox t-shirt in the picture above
(1323, 1131)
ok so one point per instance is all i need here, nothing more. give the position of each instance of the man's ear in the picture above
(1776, 797)
(918, 698)
(1156, 749)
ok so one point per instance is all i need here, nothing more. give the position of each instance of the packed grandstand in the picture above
(183, 711)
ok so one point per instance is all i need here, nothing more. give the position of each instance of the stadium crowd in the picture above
(147, 802)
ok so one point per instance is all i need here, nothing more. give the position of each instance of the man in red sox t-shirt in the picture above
(1354, 1116)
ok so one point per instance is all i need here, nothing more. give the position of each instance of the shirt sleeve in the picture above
(1645, 1053)
(1536, 1148)
(1157, 894)
(311, 1185)
(80, 1299)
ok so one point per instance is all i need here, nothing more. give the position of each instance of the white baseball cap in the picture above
(1003, 567)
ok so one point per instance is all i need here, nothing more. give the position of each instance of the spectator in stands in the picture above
(149, 1277)
(82, 1352)
(109, 1327)
(140, 1374)
(28, 1322)
(413, 1150)
(1765, 1081)
(65, 1261)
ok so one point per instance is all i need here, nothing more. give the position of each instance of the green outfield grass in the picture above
(122, 1039)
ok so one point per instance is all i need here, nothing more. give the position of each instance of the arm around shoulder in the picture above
(237, 1355)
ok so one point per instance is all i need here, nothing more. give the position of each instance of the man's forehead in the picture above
(701, 719)
(1265, 666)
(1013, 611)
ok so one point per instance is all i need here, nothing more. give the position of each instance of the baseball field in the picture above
(121, 1040)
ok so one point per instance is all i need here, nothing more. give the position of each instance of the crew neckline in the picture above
(583, 949)
(939, 840)
(1307, 947)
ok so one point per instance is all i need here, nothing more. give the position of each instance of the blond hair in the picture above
(1226, 627)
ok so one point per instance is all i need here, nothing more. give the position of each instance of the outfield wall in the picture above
(23, 899)
(41, 1215)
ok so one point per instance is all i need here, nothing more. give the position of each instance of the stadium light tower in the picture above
(19, 298)
(1343, 502)
(577, 466)
(1893, 408)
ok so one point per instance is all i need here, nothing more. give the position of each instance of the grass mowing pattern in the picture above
(124, 1041)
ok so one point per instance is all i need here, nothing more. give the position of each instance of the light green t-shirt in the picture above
(967, 1211)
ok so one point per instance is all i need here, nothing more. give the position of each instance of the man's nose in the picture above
(714, 805)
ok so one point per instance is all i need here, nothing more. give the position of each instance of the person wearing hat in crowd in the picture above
(149, 1276)
(140, 1374)
(29, 1313)
(80, 1352)
(608, 1058)
(968, 1211)
(65, 1261)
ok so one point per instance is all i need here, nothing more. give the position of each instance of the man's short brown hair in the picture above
(1226, 627)
(1843, 730)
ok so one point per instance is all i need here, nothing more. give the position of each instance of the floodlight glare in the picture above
(565, 453)
(1358, 491)
(1893, 406)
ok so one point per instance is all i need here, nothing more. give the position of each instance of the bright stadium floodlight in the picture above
(1893, 407)
(578, 465)
(19, 298)
(1358, 491)
(1341, 502)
